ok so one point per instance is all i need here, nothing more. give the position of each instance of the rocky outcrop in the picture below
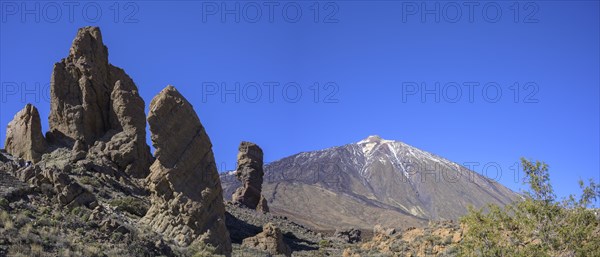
(269, 240)
(99, 105)
(250, 173)
(187, 203)
(350, 235)
(57, 184)
(379, 230)
(127, 146)
(79, 151)
(24, 137)
(3, 158)
(9, 185)
(262, 205)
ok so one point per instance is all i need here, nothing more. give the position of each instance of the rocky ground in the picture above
(243, 223)
(32, 225)
(33, 222)
(101, 218)
(437, 239)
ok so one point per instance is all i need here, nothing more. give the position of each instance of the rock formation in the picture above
(269, 240)
(93, 101)
(79, 151)
(3, 158)
(350, 235)
(250, 172)
(187, 199)
(56, 183)
(381, 231)
(262, 205)
(24, 137)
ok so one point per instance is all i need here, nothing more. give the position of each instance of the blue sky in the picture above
(362, 68)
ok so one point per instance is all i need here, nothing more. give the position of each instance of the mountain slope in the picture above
(373, 181)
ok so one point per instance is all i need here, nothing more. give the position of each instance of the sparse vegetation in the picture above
(3, 203)
(538, 225)
(131, 205)
(324, 243)
(37, 227)
(200, 249)
(90, 180)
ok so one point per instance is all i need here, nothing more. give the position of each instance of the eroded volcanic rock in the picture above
(98, 104)
(24, 137)
(262, 205)
(269, 240)
(350, 235)
(187, 203)
(250, 172)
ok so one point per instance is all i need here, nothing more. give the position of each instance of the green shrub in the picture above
(4, 203)
(131, 205)
(92, 181)
(447, 240)
(538, 225)
(116, 237)
(200, 249)
(324, 243)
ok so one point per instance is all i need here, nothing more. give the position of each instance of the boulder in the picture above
(78, 152)
(60, 186)
(112, 225)
(269, 240)
(187, 199)
(3, 158)
(128, 148)
(24, 137)
(92, 100)
(382, 231)
(262, 205)
(250, 173)
(350, 235)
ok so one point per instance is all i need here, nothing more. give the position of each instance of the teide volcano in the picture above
(373, 181)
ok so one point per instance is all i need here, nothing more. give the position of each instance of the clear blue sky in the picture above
(366, 58)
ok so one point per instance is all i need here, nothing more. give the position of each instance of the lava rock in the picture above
(269, 240)
(187, 199)
(250, 173)
(351, 235)
(92, 100)
(24, 137)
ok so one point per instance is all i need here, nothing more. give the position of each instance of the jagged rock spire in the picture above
(250, 172)
(24, 137)
(187, 199)
(92, 100)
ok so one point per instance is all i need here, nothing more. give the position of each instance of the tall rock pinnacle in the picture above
(250, 172)
(80, 90)
(24, 137)
(92, 100)
(187, 199)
